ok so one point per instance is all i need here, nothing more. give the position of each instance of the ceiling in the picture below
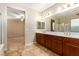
(35, 6)
(14, 13)
(39, 6)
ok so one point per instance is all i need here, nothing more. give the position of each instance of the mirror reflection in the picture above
(75, 25)
(66, 21)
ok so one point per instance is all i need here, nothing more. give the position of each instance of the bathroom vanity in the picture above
(60, 43)
(62, 32)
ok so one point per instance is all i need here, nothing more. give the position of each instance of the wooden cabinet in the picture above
(71, 47)
(40, 38)
(48, 43)
(57, 44)
(54, 43)
(61, 45)
(70, 50)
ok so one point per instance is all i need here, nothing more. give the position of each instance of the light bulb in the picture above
(22, 18)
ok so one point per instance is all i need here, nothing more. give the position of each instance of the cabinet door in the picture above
(37, 38)
(54, 44)
(40, 39)
(57, 44)
(70, 50)
(60, 47)
(48, 41)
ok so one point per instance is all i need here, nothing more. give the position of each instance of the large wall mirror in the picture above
(66, 24)
(67, 21)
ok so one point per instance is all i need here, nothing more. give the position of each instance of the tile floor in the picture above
(15, 45)
(14, 42)
(32, 50)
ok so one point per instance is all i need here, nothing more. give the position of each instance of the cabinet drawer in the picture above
(70, 50)
(72, 41)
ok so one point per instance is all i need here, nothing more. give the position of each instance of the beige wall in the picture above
(31, 17)
(31, 25)
(15, 27)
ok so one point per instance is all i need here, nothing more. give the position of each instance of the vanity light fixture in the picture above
(71, 4)
(59, 8)
(65, 6)
(22, 18)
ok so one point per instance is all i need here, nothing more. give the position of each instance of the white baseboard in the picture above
(30, 43)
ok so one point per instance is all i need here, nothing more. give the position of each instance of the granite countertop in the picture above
(64, 34)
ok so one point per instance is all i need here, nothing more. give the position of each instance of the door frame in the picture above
(17, 8)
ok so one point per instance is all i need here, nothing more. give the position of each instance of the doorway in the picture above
(15, 28)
